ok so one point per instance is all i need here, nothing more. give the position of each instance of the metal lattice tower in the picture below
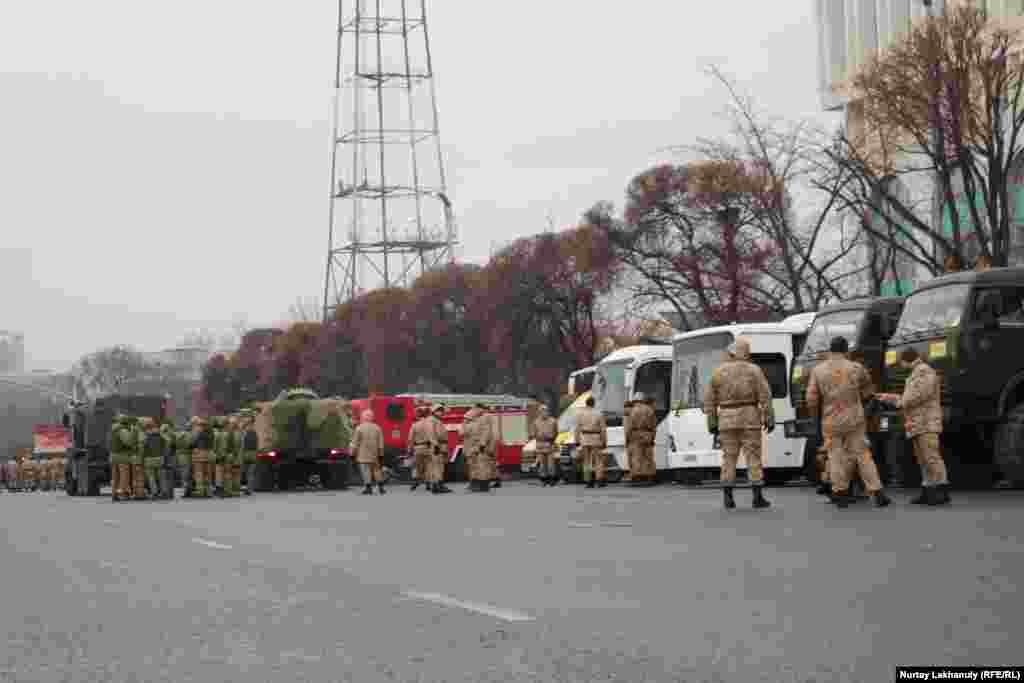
(389, 206)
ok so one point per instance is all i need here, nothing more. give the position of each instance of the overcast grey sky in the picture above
(164, 165)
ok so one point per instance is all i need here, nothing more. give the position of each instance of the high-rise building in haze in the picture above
(12, 352)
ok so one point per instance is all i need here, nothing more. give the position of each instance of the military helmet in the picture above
(422, 411)
(439, 408)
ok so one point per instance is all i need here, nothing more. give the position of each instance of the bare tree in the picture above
(305, 310)
(106, 370)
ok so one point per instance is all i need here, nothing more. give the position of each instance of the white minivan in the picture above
(692, 452)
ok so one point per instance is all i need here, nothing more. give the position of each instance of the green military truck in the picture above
(969, 326)
(306, 444)
(87, 465)
(866, 324)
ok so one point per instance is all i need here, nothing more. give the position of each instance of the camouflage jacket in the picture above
(840, 387)
(738, 396)
(368, 444)
(422, 438)
(591, 429)
(920, 401)
(546, 431)
(641, 419)
(478, 432)
(440, 433)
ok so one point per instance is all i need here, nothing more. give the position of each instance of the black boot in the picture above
(730, 503)
(842, 500)
(496, 484)
(940, 495)
(923, 497)
(368, 490)
(881, 500)
(759, 500)
(415, 485)
(380, 488)
(441, 488)
(824, 488)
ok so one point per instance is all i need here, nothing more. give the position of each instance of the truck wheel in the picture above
(263, 477)
(1008, 450)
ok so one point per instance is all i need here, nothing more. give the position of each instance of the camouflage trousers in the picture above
(232, 479)
(121, 484)
(821, 465)
(929, 456)
(152, 469)
(849, 455)
(547, 461)
(201, 472)
(595, 465)
(436, 467)
(749, 442)
(373, 472)
(138, 481)
(641, 458)
(421, 455)
(185, 473)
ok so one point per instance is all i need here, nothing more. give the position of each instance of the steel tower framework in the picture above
(389, 208)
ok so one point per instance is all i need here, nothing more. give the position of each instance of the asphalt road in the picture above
(525, 584)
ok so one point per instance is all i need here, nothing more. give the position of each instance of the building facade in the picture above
(12, 352)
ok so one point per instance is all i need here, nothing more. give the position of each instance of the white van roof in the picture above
(591, 368)
(639, 352)
(798, 326)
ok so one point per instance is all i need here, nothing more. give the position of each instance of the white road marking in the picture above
(488, 610)
(111, 522)
(211, 544)
(578, 525)
(624, 524)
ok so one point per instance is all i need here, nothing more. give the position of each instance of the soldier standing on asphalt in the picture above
(479, 443)
(232, 459)
(922, 417)
(627, 410)
(219, 455)
(643, 423)
(738, 404)
(183, 456)
(421, 445)
(439, 458)
(151, 445)
(202, 443)
(123, 440)
(368, 450)
(545, 431)
(168, 466)
(592, 439)
(841, 386)
(249, 446)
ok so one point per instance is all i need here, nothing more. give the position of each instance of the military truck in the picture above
(866, 324)
(969, 326)
(304, 446)
(87, 465)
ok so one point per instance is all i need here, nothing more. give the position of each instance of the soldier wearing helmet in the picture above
(738, 405)
(642, 424)
(202, 442)
(421, 445)
(439, 458)
(592, 439)
(545, 430)
(123, 442)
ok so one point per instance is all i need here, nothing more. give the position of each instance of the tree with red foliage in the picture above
(383, 328)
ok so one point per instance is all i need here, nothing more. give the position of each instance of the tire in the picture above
(1008, 449)
(336, 476)
(777, 477)
(263, 477)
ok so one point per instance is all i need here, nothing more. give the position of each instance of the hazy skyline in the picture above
(165, 167)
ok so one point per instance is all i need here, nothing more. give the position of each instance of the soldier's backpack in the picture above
(250, 441)
(153, 446)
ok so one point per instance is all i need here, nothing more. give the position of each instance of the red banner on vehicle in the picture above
(50, 439)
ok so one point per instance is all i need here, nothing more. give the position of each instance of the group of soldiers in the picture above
(22, 473)
(738, 406)
(147, 457)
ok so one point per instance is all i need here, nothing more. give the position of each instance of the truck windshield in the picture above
(580, 381)
(693, 361)
(827, 327)
(933, 309)
(610, 388)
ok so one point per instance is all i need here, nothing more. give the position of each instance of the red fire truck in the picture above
(396, 415)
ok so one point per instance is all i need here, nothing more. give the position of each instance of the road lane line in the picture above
(488, 610)
(211, 544)
(111, 522)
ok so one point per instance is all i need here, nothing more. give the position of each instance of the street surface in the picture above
(524, 584)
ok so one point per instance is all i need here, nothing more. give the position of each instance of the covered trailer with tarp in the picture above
(304, 441)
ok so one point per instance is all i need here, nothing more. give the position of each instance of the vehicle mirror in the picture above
(888, 327)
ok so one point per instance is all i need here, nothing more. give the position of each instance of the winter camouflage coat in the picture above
(546, 430)
(422, 438)
(840, 387)
(738, 396)
(591, 429)
(920, 402)
(643, 422)
(368, 444)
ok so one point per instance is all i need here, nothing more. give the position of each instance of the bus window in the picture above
(774, 367)
(654, 380)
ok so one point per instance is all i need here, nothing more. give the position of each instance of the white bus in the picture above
(692, 452)
(620, 376)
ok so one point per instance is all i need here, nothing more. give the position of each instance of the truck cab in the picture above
(693, 454)
(969, 327)
(866, 324)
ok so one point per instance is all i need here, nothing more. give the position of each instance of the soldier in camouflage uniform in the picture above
(218, 456)
(591, 440)
(479, 443)
(233, 459)
(643, 423)
(249, 445)
(202, 443)
(545, 430)
(168, 466)
(151, 445)
(738, 406)
(439, 458)
(922, 417)
(368, 451)
(840, 386)
(422, 444)
(183, 458)
(627, 410)
(123, 440)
